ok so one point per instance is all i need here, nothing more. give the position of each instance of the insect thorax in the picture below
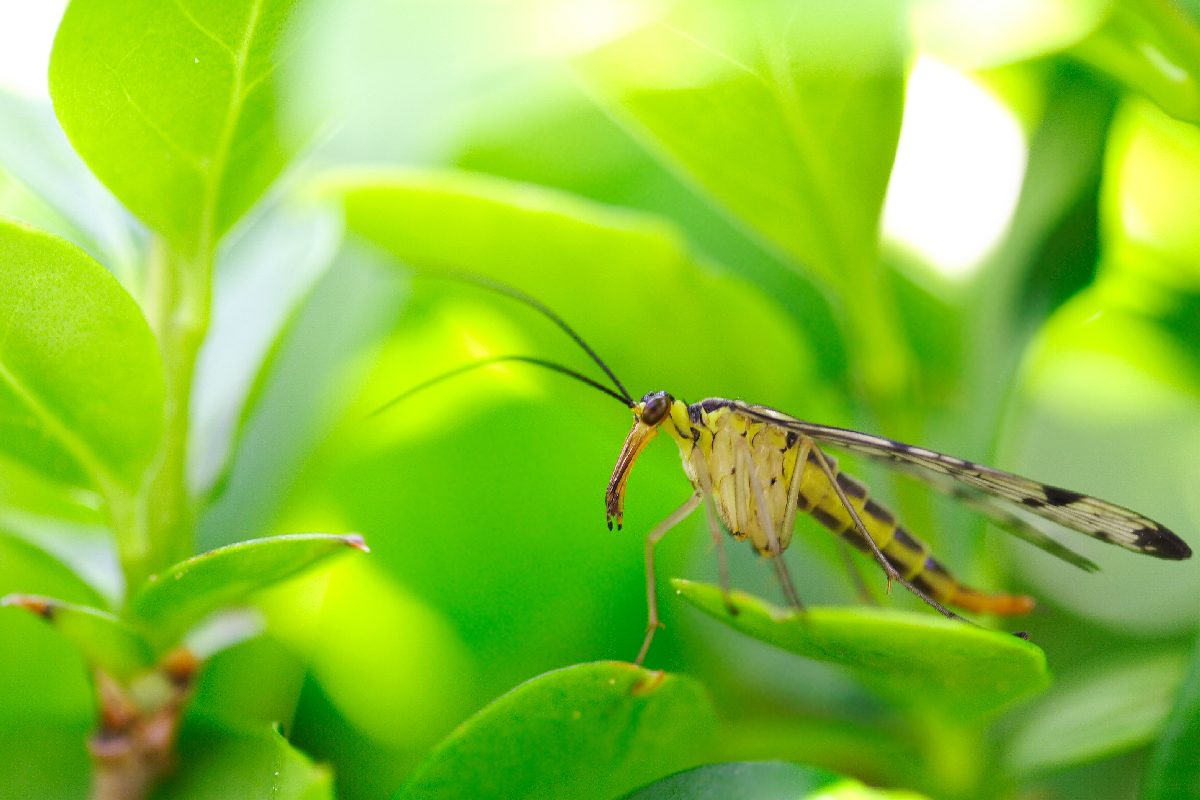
(719, 433)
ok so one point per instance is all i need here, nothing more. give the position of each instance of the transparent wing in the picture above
(1000, 512)
(1097, 518)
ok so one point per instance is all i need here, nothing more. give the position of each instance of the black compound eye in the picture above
(656, 407)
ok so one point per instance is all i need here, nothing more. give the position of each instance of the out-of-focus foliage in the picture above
(696, 189)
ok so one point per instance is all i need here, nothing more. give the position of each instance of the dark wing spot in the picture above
(1161, 543)
(1032, 502)
(1061, 497)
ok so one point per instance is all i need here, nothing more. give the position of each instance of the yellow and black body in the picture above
(740, 449)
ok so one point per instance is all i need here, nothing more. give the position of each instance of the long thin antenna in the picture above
(517, 294)
(483, 362)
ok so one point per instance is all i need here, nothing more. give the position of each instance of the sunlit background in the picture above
(1037, 277)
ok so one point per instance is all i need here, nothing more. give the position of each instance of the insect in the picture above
(758, 468)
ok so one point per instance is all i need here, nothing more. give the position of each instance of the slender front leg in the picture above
(714, 527)
(652, 538)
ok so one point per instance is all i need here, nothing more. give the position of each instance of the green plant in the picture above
(195, 343)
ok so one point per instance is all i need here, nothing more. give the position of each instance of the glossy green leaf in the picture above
(221, 761)
(919, 658)
(174, 600)
(588, 731)
(1116, 711)
(80, 382)
(1154, 47)
(1174, 771)
(105, 641)
(748, 780)
(788, 114)
(173, 106)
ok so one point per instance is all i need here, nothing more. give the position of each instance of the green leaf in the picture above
(174, 600)
(979, 35)
(44, 757)
(788, 115)
(749, 780)
(80, 383)
(1154, 47)
(106, 641)
(172, 105)
(35, 153)
(878, 754)
(588, 731)
(917, 658)
(1174, 771)
(27, 568)
(1118, 710)
(621, 263)
(220, 761)
(266, 271)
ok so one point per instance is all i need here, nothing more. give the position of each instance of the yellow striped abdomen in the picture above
(910, 556)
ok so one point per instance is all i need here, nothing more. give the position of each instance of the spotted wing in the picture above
(1097, 518)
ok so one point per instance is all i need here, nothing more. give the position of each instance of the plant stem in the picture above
(178, 300)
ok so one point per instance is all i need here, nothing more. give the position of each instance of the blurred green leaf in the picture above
(747, 780)
(174, 600)
(36, 154)
(105, 641)
(224, 762)
(266, 270)
(81, 396)
(1173, 772)
(172, 105)
(390, 664)
(588, 731)
(853, 790)
(584, 259)
(788, 114)
(1154, 47)
(878, 754)
(973, 35)
(26, 568)
(1115, 711)
(918, 658)
(1150, 200)
(44, 758)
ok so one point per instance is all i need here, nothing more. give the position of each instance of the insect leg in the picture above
(860, 585)
(764, 519)
(862, 529)
(714, 527)
(660, 530)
